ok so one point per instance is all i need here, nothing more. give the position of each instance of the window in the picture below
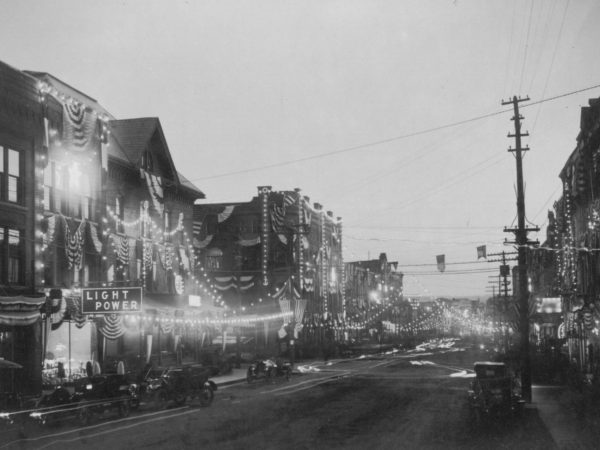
(67, 189)
(214, 259)
(10, 175)
(11, 256)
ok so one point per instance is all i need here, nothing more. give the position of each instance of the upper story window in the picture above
(10, 175)
(11, 256)
(67, 189)
(214, 259)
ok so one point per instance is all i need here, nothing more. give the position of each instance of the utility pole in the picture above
(521, 242)
(503, 283)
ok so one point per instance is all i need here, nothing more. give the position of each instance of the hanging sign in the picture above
(111, 300)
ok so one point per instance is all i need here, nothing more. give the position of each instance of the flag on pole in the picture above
(441, 262)
(481, 252)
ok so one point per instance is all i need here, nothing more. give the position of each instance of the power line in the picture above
(386, 141)
(526, 44)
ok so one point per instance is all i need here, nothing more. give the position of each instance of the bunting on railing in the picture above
(234, 282)
(80, 127)
(224, 215)
(203, 243)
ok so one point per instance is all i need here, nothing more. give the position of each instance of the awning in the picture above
(20, 310)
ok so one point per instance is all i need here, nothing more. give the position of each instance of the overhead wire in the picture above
(526, 45)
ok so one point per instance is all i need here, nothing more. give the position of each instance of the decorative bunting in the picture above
(155, 189)
(93, 230)
(80, 131)
(111, 326)
(74, 247)
(225, 214)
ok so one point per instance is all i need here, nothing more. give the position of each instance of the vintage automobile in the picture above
(267, 369)
(494, 392)
(94, 396)
(177, 384)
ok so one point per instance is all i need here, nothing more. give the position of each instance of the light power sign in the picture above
(111, 300)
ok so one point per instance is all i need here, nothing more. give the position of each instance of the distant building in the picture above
(276, 254)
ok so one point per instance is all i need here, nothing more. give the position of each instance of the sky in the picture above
(387, 113)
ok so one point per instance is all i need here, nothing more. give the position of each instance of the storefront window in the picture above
(67, 351)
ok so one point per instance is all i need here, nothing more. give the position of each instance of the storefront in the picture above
(20, 342)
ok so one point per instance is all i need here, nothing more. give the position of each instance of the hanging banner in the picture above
(111, 300)
(481, 252)
(441, 262)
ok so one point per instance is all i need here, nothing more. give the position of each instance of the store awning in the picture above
(20, 310)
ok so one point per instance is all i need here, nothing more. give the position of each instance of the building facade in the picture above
(89, 206)
(576, 243)
(276, 254)
(22, 149)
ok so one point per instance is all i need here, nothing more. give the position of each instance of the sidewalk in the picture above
(570, 429)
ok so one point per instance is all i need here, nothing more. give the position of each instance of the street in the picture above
(404, 400)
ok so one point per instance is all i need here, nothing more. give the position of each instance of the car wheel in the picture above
(124, 408)
(206, 396)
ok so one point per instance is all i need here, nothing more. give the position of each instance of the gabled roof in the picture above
(132, 138)
(188, 184)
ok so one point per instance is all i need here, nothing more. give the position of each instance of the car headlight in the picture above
(89, 387)
(35, 415)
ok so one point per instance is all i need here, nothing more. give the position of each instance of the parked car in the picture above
(177, 384)
(268, 368)
(94, 396)
(494, 392)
